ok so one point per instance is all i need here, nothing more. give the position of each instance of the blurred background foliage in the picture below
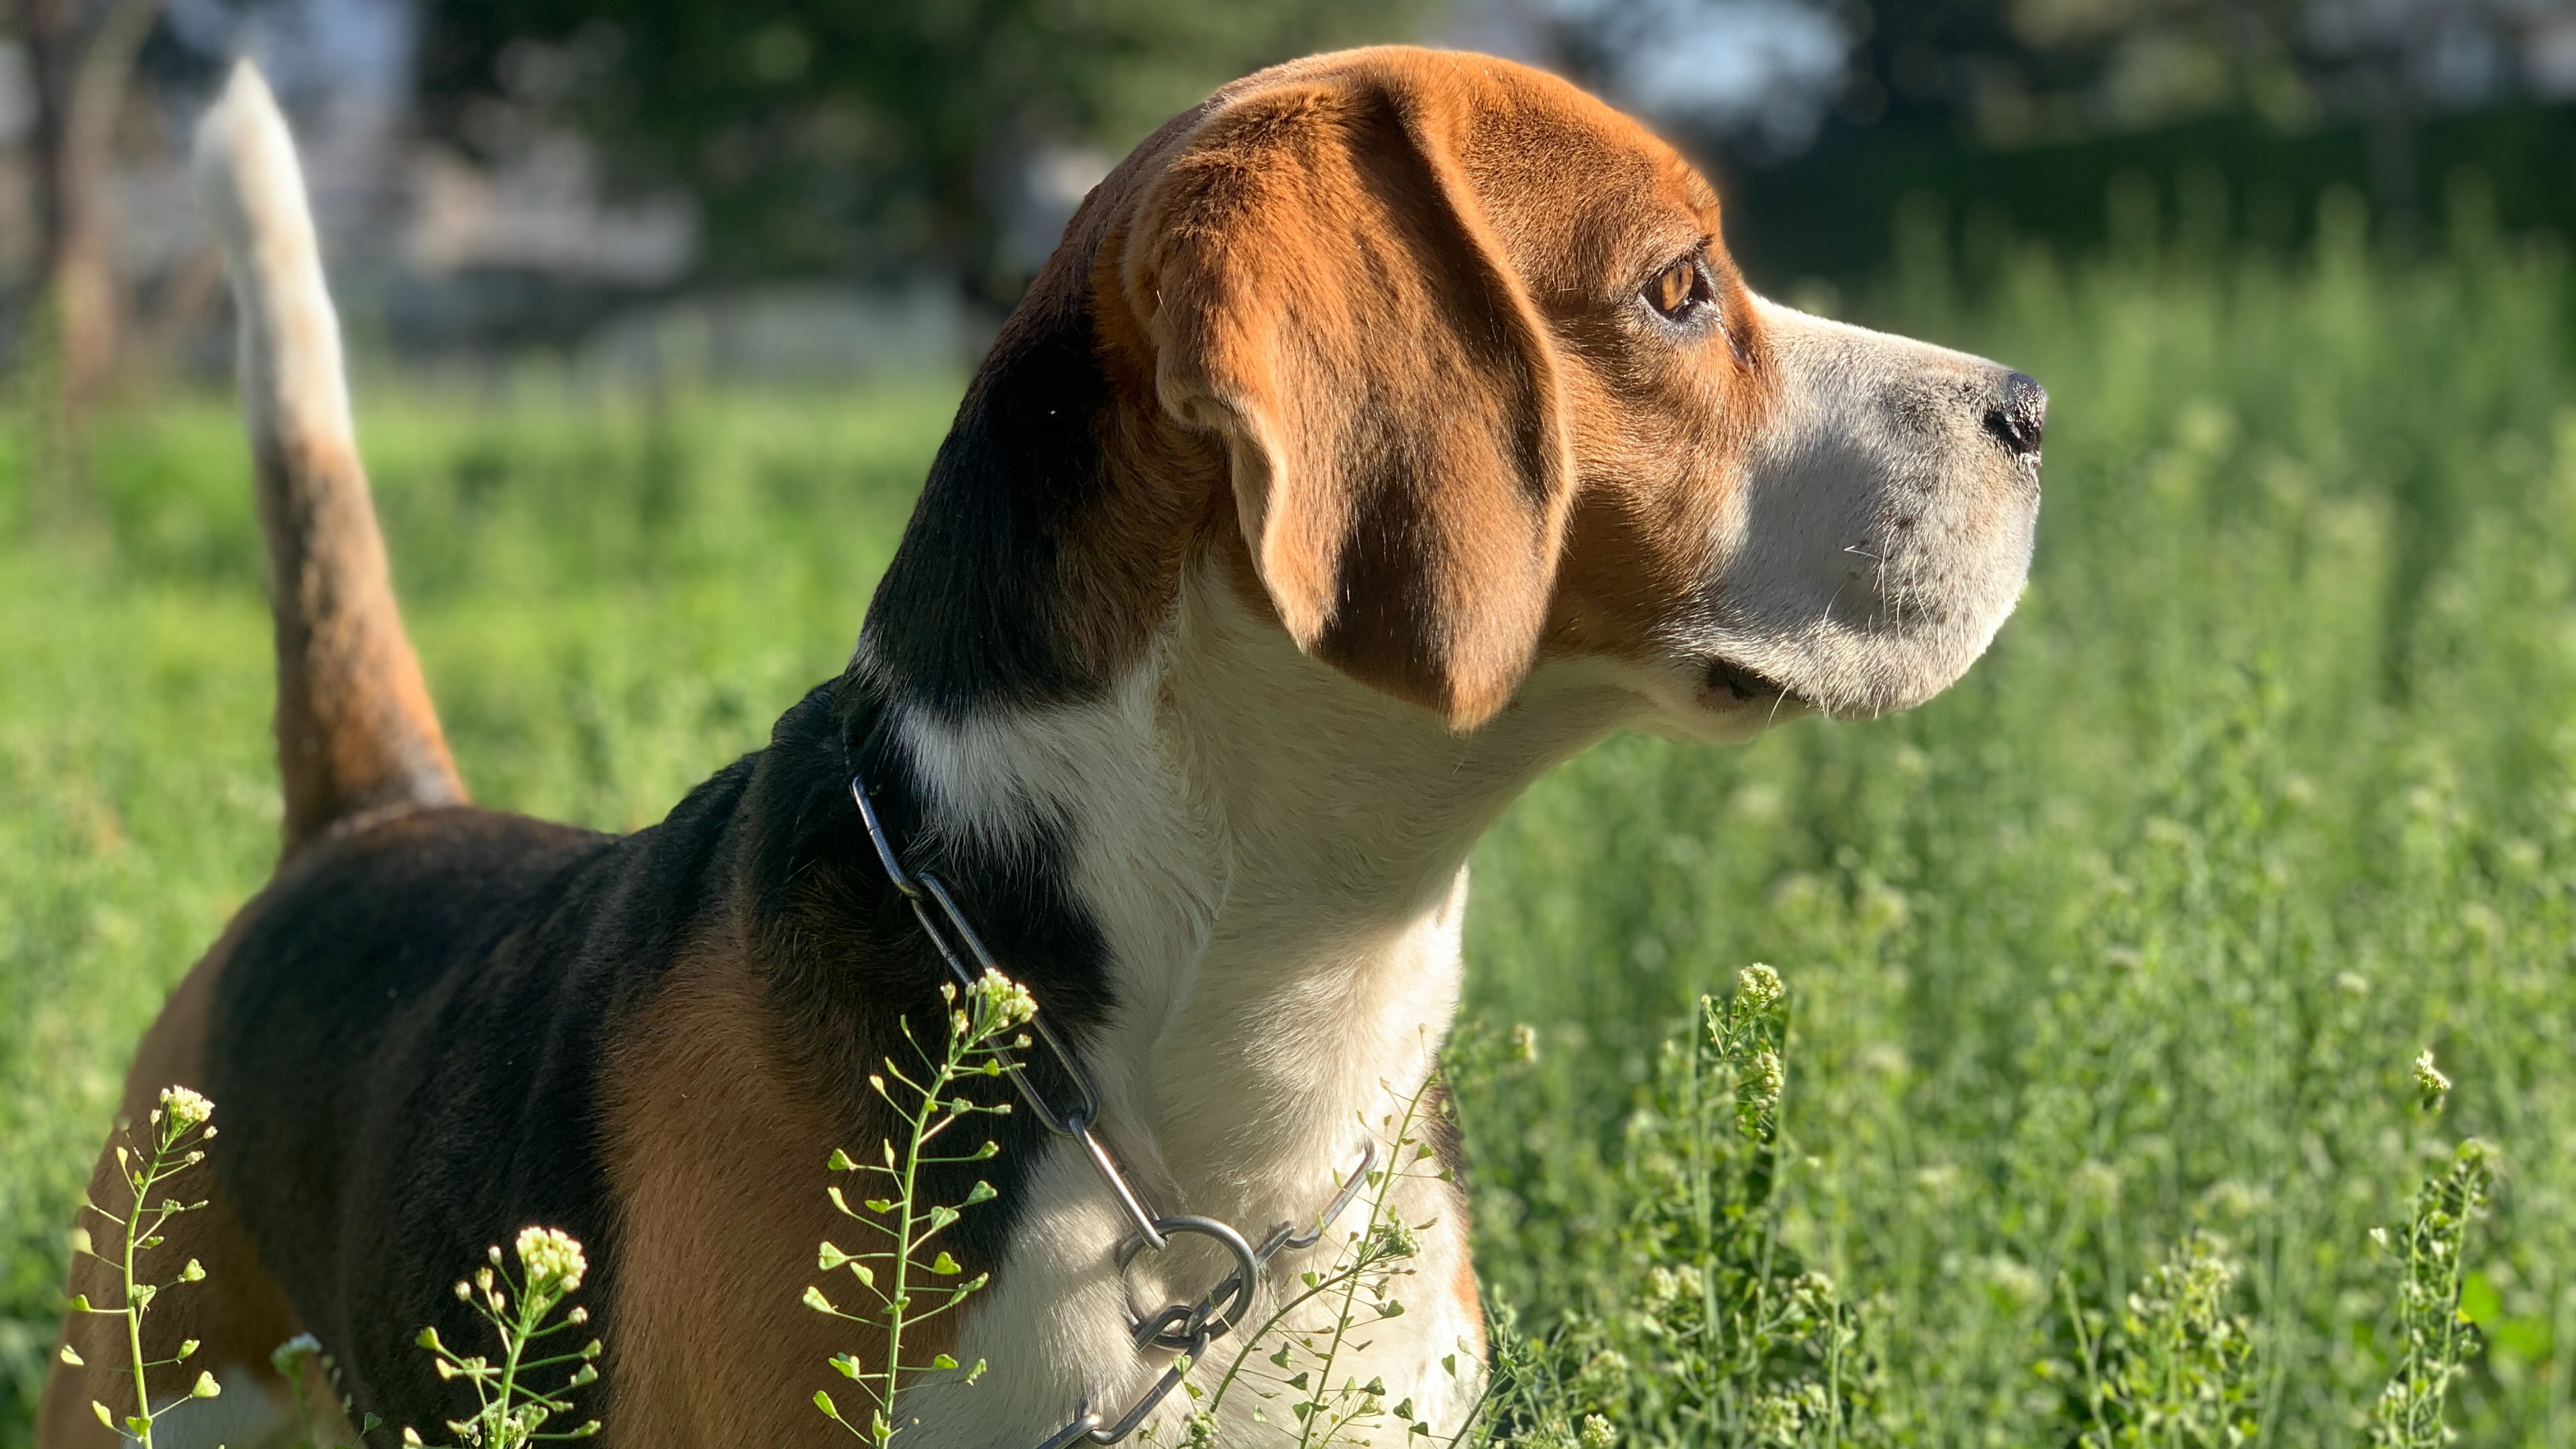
(857, 136)
(576, 174)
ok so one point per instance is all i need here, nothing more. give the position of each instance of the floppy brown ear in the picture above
(1322, 290)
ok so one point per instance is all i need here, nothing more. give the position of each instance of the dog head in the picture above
(1489, 390)
(1446, 364)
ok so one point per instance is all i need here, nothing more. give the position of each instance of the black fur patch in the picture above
(846, 953)
(968, 614)
(406, 1045)
(409, 1035)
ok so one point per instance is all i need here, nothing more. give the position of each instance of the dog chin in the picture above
(1713, 697)
(1877, 675)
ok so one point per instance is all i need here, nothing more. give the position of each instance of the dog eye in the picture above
(1677, 289)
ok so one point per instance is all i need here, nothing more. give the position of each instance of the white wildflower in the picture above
(1009, 1001)
(552, 1256)
(1761, 986)
(186, 1108)
(1770, 1077)
(2429, 1079)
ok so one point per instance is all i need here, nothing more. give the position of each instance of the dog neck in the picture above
(1273, 859)
(1233, 876)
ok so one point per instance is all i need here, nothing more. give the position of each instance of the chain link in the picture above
(1184, 1329)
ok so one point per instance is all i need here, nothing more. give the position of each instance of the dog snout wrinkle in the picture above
(2022, 415)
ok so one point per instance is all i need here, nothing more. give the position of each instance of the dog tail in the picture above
(356, 733)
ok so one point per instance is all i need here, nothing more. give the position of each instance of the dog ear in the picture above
(1322, 290)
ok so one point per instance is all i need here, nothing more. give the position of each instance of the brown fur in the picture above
(717, 1173)
(1324, 295)
(1456, 243)
(356, 733)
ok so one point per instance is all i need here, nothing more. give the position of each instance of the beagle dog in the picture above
(1385, 430)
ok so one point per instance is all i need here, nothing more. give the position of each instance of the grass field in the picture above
(2269, 786)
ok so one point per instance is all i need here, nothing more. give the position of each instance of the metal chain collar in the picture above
(1182, 1328)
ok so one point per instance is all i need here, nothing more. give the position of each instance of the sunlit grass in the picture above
(2131, 937)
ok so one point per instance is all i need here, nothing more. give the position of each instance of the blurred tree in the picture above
(859, 136)
(1813, 103)
(81, 54)
(2018, 72)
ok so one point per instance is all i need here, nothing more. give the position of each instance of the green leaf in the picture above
(2479, 1301)
(942, 1361)
(829, 1257)
(944, 1265)
(840, 1162)
(866, 1275)
(847, 1364)
(815, 1300)
(981, 1192)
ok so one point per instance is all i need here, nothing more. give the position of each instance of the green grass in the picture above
(2131, 937)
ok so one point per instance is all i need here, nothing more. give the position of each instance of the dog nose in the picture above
(2019, 419)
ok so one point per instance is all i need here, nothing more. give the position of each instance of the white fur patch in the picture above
(253, 194)
(1881, 534)
(1276, 858)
